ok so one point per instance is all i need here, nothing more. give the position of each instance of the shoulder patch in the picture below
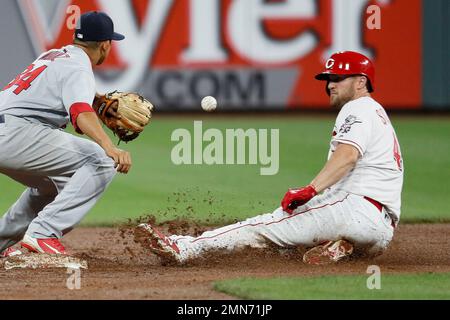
(347, 125)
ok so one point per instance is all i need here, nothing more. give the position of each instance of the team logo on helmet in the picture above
(329, 64)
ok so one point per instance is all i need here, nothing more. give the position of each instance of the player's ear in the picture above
(362, 82)
(104, 45)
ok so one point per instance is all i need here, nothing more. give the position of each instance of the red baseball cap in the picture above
(349, 63)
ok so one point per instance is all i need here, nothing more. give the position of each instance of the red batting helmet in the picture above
(349, 63)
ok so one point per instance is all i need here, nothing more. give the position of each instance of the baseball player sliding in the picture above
(353, 202)
(65, 174)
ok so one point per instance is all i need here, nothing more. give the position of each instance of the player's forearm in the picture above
(89, 124)
(332, 172)
(340, 163)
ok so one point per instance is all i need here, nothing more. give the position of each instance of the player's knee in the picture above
(102, 163)
(108, 167)
(379, 247)
(104, 170)
(370, 249)
(107, 163)
(98, 157)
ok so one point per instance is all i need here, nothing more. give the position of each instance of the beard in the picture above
(338, 101)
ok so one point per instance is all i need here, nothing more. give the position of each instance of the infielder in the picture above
(65, 174)
(354, 201)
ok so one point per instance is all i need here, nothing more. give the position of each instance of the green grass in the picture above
(392, 287)
(219, 194)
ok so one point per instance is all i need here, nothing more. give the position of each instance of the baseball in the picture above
(209, 103)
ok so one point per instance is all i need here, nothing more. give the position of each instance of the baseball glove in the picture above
(126, 114)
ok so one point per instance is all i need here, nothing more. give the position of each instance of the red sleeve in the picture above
(75, 110)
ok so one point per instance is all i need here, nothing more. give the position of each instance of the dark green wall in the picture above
(436, 54)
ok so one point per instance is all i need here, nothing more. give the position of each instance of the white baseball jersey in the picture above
(378, 174)
(47, 89)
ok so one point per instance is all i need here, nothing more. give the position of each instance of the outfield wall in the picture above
(249, 54)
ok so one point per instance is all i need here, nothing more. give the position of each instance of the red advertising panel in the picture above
(248, 53)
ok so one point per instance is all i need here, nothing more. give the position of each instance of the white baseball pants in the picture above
(330, 216)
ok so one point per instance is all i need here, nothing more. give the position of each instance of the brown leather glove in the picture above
(125, 113)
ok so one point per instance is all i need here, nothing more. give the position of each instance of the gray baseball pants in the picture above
(65, 176)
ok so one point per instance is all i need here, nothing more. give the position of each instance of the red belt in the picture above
(375, 203)
(379, 207)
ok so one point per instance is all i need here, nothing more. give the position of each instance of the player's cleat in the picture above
(10, 252)
(328, 252)
(158, 243)
(47, 245)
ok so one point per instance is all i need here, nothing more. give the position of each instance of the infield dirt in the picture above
(119, 268)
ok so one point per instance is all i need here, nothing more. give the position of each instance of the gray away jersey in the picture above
(46, 90)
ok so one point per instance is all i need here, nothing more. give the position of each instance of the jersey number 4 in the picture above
(397, 155)
(23, 81)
